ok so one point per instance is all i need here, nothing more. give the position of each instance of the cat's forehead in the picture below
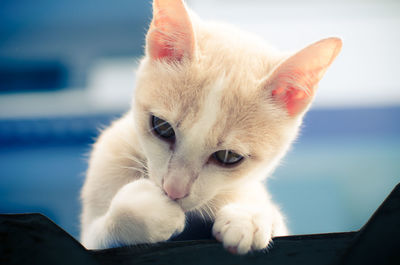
(223, 113)
(230, 118)
(211, 107)
(183, 90)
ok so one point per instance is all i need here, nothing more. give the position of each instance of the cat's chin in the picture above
(188, 204)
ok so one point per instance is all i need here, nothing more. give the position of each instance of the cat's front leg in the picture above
(139, 213)
(243, 228)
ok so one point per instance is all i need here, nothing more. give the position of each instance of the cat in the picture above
(214, 111)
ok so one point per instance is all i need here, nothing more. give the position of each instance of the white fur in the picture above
(208, 115)
(139, 213)
(242, 226)
(219, 97)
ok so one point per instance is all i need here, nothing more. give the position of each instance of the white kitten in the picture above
(214, 111)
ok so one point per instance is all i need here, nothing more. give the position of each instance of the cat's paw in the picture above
(144, 214)
(242, 230)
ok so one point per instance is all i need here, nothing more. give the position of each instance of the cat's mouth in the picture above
(186, 203)
(190, 204)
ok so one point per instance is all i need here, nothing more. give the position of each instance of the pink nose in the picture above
(174, 191)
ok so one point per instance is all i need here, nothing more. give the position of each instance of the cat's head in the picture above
(214, 107)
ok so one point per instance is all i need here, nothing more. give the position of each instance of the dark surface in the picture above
(378, 242)
(34, 239)
(307, 249)
(195, 228)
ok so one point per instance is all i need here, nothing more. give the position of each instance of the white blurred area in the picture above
(109, 90)
(365, 74)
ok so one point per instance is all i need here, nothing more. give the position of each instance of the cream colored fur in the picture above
(218, 96)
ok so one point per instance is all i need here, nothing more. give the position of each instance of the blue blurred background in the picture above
(67, 69)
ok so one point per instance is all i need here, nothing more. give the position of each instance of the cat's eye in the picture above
(162, 128)
(227, 157)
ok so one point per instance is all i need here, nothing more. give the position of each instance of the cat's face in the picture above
(204, 132)
(214, 111)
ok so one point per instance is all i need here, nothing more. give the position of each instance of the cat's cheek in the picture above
(157, 157)
(156, 173)
(201, 193)
(192, 201)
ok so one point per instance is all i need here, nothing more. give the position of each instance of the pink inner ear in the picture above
(294, 99)
(162, 46)
(171, 34)
(293, 83)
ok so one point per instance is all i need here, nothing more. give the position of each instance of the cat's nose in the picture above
(175, 192)
(176, 195)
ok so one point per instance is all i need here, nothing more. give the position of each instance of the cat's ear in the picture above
(292, 84)
(171, 35)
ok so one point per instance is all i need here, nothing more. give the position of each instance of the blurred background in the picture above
(67, 69)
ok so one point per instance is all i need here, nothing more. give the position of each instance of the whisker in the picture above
(211, 210)
(159, 125)
(131, 167)
(135, 159)
(170, 128)
(126, 141)
(135, 169)
(140, 166)
(206, 211)
(201, 214)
